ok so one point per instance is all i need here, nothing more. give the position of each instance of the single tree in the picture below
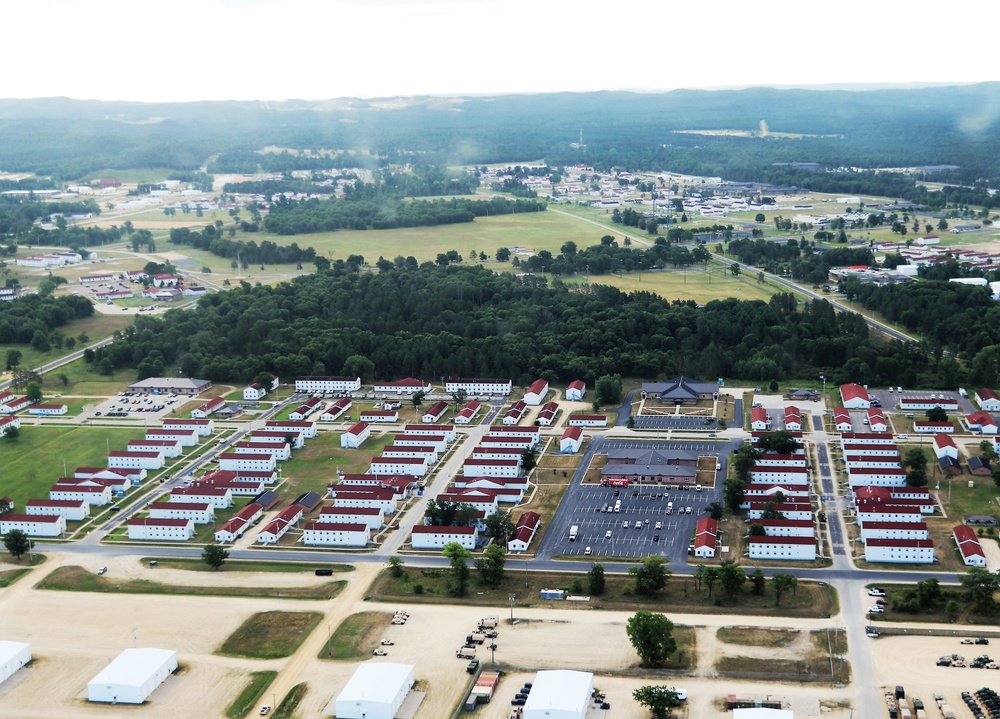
(661, 701)
(459, 557)
(396, 567)
(652, 636)
(781, 583)
(215, 555)
(715, 510)
(13, 358)
(710, 577)
(650, 576)
(34, 392)
(12, 433)
(595, 580)
(17, 542)
(732, 577)
(981, 587)
(491, 565)
(500, 526)
(529, 459)
(757, 582)
(937, 414)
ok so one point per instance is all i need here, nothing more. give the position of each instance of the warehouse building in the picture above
(13, 656)
(132, 676)
(559, 694)
(375, 691)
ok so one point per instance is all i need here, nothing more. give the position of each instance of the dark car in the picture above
(656, 537)
(982, 640)
(517, 702)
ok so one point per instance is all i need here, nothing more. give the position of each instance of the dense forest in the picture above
(367, 209)
(431, 321)
(27, 318)
(837, 129)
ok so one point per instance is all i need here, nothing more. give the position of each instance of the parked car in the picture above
(265, 710)
(588, 551)
(102, 570)
(607, 535)
(876, 609)
(380, 652)
(876, 592)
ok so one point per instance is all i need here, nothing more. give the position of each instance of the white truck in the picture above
(573, 532)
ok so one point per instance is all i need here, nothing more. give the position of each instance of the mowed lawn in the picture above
(96, 327)
(314, 467)
(532, 230)
(34, 461)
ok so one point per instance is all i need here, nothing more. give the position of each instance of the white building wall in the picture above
(907, 555)
(758, 550)
(13, 656)
(437, 540)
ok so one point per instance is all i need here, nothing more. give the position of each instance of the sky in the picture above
(188, 50)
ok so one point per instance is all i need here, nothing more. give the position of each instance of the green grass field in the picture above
(83, 380)
(34, 461)
(315, 466)
(270, 635)
(254, 690)
(693, 284)
(356, 636)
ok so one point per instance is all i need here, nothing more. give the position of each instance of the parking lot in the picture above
(890, 400)
(677, 421)
(646, 504)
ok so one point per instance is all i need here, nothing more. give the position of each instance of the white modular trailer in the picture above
(132, 676)
(13, 656)
(375, 691)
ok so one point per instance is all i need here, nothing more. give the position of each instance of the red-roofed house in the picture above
(243, 519)
(895, 530)
(216, 496)
(571, 440)
(969, 546)
(944, 446)
(981, 422)
(706, 537)
(988, 400)
(588, 420)
(47, 410)
(469, 411)
(426, 537)
(356, 435)
(435, 413)
(373, 517)
(411, 466)
(300, 413)
(197, 512)
(787, 527)
(575, 390)
(209, 407)
(379, 415)
(7, 423)
(408, 385)
(876, 420)
(515, 413)
(34, 525)
(536, 393)
(524, 531)
(909, 551)
(842, 419)
(547, 414)
(171, 530)
(75, 510)
(335, 534)
(786, 548)
(759, 419)
(204, 427)
(279, 526)
(164, 280)
(793, 418)
(933, 427)
(336, 410)
(854, 396)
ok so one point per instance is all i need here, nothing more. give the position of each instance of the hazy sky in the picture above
(313, 49)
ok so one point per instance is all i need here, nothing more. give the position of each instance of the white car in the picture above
(876, 609)
(876, 592)
(265, 710)
(102, 570)
(588, 551)
(607, 535)
(659, 525)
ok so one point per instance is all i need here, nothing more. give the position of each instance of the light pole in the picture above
(510, 598)
(823, 377)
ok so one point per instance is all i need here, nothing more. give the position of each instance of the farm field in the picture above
(693, 284)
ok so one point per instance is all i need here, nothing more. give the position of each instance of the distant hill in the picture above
(956, 125)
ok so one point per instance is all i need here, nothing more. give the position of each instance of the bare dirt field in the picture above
(73, 635)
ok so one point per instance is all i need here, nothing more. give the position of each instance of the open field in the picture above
(692, 284)
(96, 327)
(756, 636)
(357, 636)
(315, 466)
(34, 461)
(270, 635)
(290, 702)
(78, 579)
(83, 380)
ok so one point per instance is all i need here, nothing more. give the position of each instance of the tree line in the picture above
(463, 320)
(363, 210)
(244, 253)
(24, 318)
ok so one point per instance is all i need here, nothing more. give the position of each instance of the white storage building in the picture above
(375, 691)
(13, 656)
(132, 676)
(559, 694)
